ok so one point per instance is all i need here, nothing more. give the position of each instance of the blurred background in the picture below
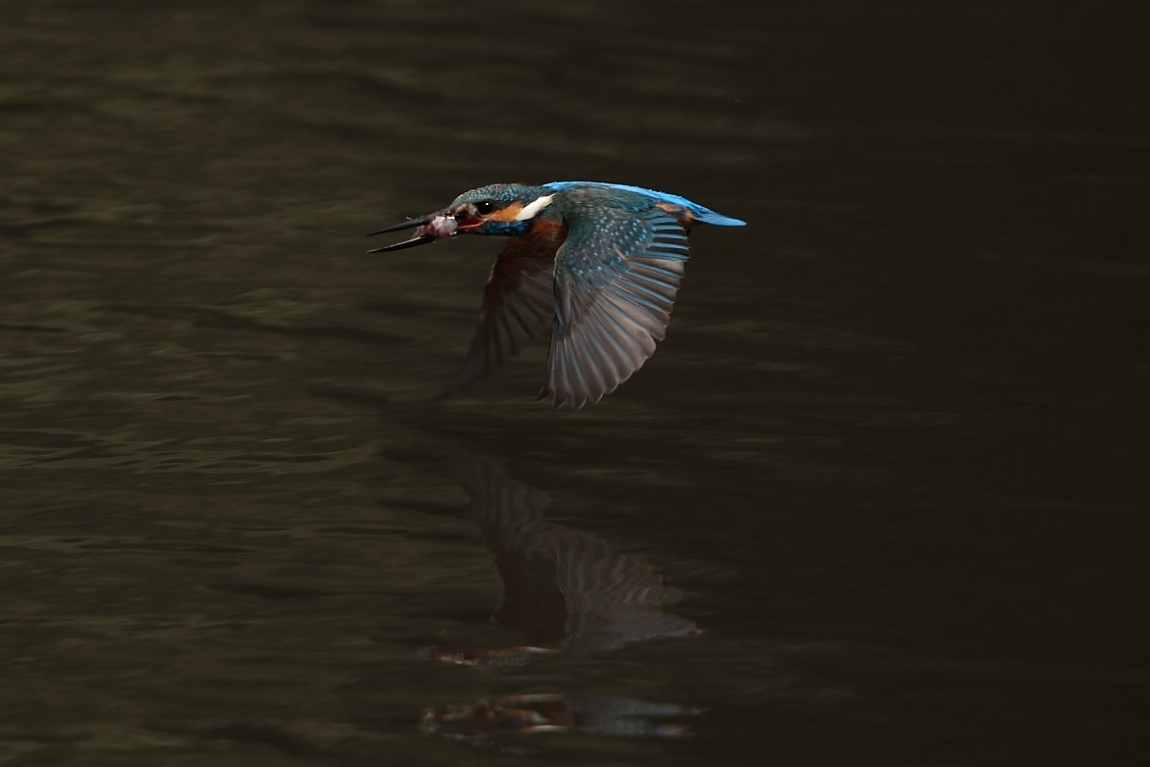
(879, 498)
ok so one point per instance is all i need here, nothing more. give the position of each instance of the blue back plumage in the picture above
(702, 214)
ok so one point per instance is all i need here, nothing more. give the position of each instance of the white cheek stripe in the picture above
(538, 204)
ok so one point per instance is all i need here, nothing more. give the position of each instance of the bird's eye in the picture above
(483, 207)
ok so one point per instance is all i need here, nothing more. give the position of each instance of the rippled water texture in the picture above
(879, 498)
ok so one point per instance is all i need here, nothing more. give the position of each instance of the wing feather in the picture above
(519, 303)
(616, 278)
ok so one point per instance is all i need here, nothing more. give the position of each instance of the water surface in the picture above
(879, 498)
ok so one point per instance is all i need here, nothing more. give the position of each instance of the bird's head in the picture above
(499, 209)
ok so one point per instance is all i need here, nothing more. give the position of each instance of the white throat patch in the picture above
(532, 209)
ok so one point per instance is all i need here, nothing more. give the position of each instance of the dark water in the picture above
(880, 498)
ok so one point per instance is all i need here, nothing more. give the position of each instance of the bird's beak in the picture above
(430, 228)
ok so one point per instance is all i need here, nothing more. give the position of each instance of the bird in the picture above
(600, 263)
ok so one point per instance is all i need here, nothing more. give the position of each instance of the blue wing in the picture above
(616, 277)
(699, 213)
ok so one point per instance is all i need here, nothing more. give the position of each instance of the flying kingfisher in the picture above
(600, 263)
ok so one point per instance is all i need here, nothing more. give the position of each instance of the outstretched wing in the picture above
(616, 277)
(518, 304)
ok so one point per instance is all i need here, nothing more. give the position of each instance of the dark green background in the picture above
(894, 448)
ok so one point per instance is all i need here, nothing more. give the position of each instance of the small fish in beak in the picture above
(428, 229)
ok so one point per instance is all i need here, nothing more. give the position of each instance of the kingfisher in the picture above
(599, 263)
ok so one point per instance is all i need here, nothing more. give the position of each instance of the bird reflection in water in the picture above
(565, 590)
(629, 717)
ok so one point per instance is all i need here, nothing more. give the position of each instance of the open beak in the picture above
(428, 228)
